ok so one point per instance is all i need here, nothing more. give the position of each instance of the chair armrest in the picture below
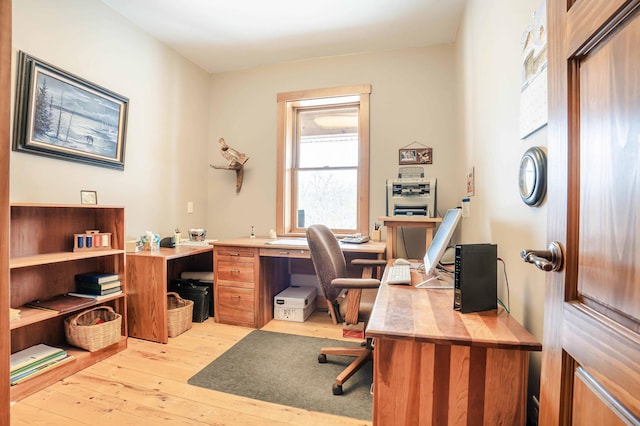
(354, 294)
(369, 262)
(355, 283)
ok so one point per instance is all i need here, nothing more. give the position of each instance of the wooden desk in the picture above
(148, 274)
(248, 273)
(436, 366)
(394, 222)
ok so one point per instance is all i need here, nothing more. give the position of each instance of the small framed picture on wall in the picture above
(415, 156)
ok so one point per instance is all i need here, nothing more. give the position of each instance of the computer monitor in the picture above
(441, 240)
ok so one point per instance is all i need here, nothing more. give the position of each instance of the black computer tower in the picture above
(475, 277)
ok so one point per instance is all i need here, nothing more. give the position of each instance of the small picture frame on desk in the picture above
(88, 197)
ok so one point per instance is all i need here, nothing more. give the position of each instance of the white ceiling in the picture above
(224, 35)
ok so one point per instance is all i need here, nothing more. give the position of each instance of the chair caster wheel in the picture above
(322, 359)
(337, 389)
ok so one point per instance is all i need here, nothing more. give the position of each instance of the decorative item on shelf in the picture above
(92, 240)
(415, 153)
(150, 241)
(236, 162)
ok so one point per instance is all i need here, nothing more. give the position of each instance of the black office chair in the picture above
(331, 269)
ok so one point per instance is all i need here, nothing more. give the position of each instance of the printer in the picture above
(411, 194)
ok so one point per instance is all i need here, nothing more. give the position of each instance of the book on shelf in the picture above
(20, 372)
(89, 289)
(42, 368)
(98, 287)
(96, 297)
(97, 277)
(61, 303)
(32, 354)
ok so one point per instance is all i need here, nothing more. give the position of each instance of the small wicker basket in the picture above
(94, 328)
(179, 315)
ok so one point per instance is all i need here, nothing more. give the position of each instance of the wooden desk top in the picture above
(368, 247)
(427, 315)
(417, 220)
(173, 253)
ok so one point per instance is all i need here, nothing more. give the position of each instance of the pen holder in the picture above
(376, 235)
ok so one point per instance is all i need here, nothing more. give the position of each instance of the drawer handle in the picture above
(235, 271)
(285, 252)
(235, 253)
(235, 296)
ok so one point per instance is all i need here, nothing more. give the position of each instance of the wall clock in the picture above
(532, 177)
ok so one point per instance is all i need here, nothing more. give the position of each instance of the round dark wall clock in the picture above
(532, 177)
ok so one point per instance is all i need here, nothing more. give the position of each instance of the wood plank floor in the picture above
(147, 384)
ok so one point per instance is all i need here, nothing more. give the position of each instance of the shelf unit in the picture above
(42, 264)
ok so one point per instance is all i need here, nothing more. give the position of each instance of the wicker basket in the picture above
(82, 330)
(180, 314)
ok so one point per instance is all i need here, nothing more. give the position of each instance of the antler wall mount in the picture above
(236, 162)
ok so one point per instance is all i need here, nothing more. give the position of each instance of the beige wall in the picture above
(488, 75)
(166, 150)
(412, 99)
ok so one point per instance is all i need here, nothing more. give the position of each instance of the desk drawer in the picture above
(230, 253)
(235, 305)
(285, 252)
(241, 272)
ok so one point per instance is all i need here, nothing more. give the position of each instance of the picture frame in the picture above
(88, 197)
(415, 156)
(63, 116)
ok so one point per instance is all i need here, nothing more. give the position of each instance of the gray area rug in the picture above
(284, 369)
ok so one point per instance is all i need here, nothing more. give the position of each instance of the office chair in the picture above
(331, 269)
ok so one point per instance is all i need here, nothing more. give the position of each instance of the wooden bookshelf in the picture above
(42, 265)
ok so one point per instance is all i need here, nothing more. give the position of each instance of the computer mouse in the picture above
(401, 261)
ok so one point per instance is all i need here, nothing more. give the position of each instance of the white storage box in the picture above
(205, 276)
(294, 304)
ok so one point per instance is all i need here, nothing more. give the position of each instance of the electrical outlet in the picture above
(189, 206)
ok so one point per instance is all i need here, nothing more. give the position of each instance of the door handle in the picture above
(546, 260)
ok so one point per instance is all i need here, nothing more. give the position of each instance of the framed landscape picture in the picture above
(64, 116)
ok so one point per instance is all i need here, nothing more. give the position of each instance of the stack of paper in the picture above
(36, 360)
(14, 314)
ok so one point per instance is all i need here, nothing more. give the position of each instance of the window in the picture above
(323, 160)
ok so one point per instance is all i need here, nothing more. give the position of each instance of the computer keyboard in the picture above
(399, 274)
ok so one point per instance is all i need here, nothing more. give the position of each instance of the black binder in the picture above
(200, 293)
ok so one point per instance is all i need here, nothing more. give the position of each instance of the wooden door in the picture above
(5, 99)
(591, 346)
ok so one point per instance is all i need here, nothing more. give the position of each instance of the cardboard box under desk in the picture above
(294, 303)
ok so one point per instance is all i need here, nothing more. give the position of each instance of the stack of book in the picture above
(36, 360)
(97, 285)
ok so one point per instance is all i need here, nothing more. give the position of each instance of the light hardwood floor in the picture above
(147, 384)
